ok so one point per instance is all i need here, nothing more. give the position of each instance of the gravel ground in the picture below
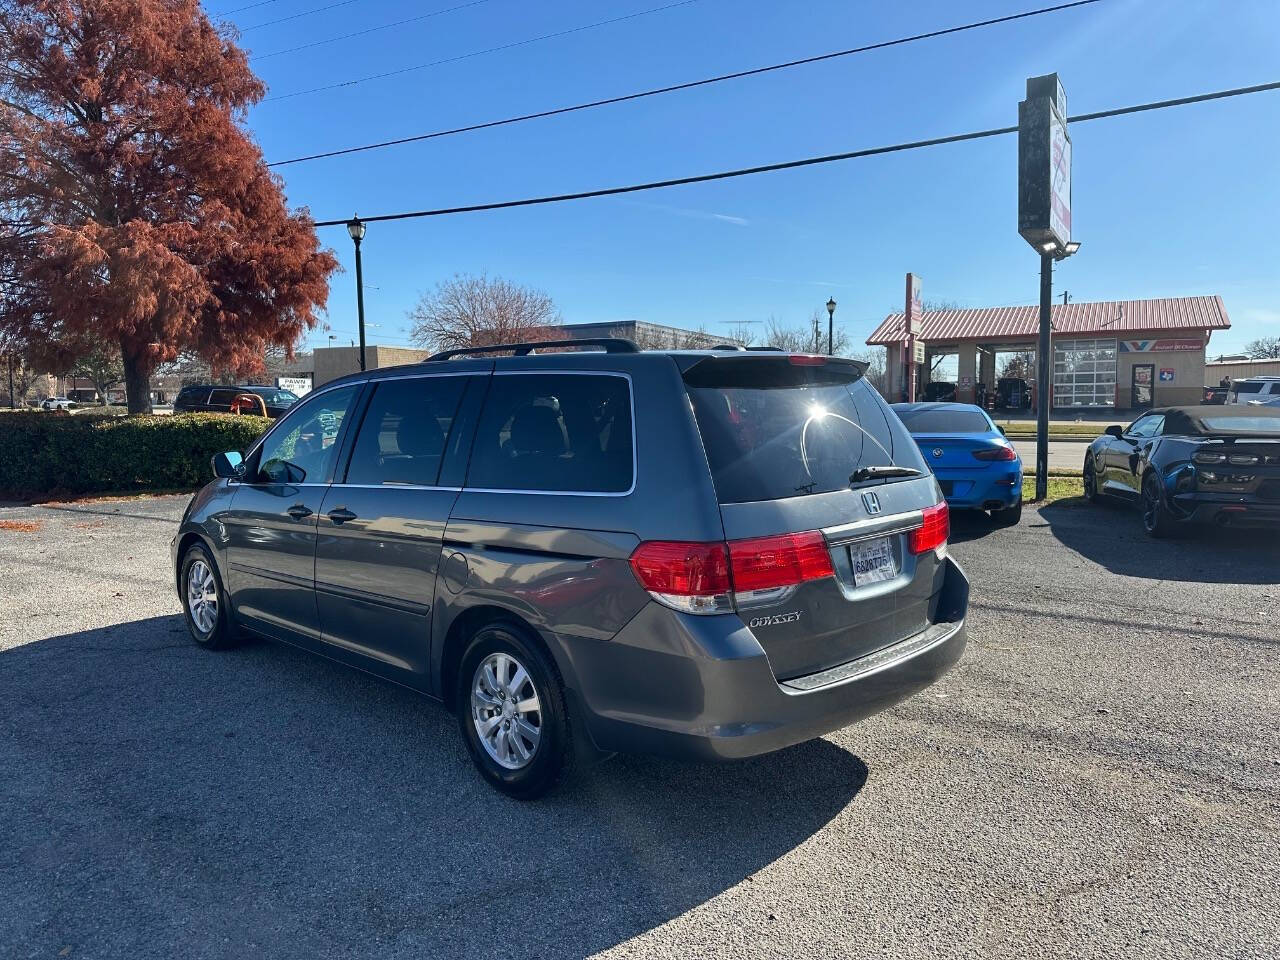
(1100, 777)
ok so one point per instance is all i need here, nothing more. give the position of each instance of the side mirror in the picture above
(227, 465)
(1115, 430)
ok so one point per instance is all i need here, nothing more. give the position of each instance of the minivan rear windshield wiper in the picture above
(881, 472)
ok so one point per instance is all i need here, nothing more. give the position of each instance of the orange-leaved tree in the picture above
(134, 210)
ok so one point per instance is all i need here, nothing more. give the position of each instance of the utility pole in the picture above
(1066, 298)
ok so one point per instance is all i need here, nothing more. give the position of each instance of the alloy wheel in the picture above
(1150, 505)
(202, 596)
(506, 711)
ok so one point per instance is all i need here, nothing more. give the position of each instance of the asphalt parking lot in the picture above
(1100, 777)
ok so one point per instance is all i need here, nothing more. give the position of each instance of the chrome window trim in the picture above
(392, 486)
(635, 459)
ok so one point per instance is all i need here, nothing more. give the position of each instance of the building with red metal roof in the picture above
(1114, 354)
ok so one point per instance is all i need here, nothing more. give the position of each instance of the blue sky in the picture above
(1175, 202)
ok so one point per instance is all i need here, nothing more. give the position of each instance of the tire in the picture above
(1155, 515)
(1090, 477)
(1009, 516)
(502, 670)
(209, 617)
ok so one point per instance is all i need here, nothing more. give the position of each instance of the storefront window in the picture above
(1084, 373)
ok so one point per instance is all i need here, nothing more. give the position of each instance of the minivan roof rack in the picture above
(608, 344)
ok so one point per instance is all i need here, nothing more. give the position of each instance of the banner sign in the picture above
(1160, 346)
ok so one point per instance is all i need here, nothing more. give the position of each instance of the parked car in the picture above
(57, 403)
(220, 399)
(1215, 396)
(1188, 465)
(977, 468)
(1013, 393)
(712, 553)
(940, 390)
(1253, 389)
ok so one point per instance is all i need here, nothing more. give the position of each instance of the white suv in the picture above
(1254, 390)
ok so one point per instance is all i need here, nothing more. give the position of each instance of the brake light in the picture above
(705, 577)
(807, 360)
(933, 533)
(1001, 452)
(764, 563)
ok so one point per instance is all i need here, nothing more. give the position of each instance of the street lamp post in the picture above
(1050, 251)
(831, 323)
(356, 228)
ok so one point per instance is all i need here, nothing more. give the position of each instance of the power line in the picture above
(298, 16)
(478, 53)
(682, 86)
(248, 6)
(361, 33)
(807, 162)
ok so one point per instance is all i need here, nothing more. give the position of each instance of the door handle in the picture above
(299, 512)
(341, 515)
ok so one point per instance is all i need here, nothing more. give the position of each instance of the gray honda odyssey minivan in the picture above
(710, 553)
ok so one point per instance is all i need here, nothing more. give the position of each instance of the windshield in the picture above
(278, 398)
(771, 443)
(943, 420)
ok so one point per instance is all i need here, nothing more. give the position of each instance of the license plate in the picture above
(872, 561)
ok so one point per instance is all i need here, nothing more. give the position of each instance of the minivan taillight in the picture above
(693, 577)
(764, 563)
(706, 577)
(933, 533)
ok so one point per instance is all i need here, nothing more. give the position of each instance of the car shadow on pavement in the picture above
(163, 800)
(1111, 535)
(969, 525)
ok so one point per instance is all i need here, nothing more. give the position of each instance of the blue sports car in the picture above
(977, 468)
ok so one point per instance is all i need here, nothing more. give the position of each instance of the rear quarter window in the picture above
(555, 433)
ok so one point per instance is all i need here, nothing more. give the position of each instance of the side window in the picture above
(1148, 426)
(403, 434)
(303, 447)
(554, 432)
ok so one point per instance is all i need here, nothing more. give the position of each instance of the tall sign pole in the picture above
(1044, 221)
(912, 311)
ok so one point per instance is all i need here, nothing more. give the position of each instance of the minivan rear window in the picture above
(942, 420)
(781, 440)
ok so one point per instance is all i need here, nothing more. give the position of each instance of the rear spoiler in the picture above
(767, 369)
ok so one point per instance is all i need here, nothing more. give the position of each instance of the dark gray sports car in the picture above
(1190, 465)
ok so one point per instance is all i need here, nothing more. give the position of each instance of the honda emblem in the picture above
(871, 502)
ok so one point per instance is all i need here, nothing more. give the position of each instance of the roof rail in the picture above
(608, 344)
(766, 348)
(726, 346)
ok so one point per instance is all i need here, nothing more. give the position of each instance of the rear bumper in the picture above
(702, 687)
(1226, 511)
(992, 489)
